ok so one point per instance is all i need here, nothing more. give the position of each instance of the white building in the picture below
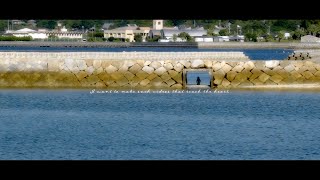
(157, 24)
(17, 22)
(64, 29)
(287, 35)
(164, 40)
(44, 34)
(239, 38)
(221, 39)
(172, 40)
(27, 32)
(70, 35)
(120, 33)
(63, 33)
(168, 33)
(203, 39)
(128, 32)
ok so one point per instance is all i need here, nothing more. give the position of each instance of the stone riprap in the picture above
(312, 53)
(149, 70)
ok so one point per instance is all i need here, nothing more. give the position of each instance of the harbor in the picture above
(159, 90)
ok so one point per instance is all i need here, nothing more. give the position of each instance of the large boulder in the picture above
(160, 70)
(272, 63)
(144, 82)
(197, 64)
(148, 69)
(110, 69)
(263, 77)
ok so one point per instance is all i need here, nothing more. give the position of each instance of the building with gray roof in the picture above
(168, 33)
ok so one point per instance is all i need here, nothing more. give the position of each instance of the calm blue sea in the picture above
(74, 124)
(253, 54)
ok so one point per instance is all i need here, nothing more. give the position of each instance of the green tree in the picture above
(138, 38)
(268, 38)
(168, 23)
(251, 37)
(298, 33)
(86, 24)
(280, 35)
(49, 24)
(210, 32)
(3, 25)
(285, 25)
(313, 29)
(99, 34)
(185, 36)
(223, 32)
(119, 23)
(154, 39)
(75, 24)
(13, 38)
(111, 39)
(142, 23)
(174, 37)
(179, 22)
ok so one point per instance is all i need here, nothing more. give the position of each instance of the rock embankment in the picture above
(150, 70)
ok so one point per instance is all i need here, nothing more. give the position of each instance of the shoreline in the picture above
(200, 45)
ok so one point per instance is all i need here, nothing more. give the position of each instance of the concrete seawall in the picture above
(259, 45)
(150, 70)
(235, 45)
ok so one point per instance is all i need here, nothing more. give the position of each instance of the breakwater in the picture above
(150, 70)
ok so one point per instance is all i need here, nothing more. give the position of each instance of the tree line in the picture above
(250, 28)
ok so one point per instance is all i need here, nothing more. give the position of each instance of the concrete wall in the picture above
(259, 45)
(235, 45)
(310, 38)
(148, 70)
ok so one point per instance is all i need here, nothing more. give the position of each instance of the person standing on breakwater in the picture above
(198, 81)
